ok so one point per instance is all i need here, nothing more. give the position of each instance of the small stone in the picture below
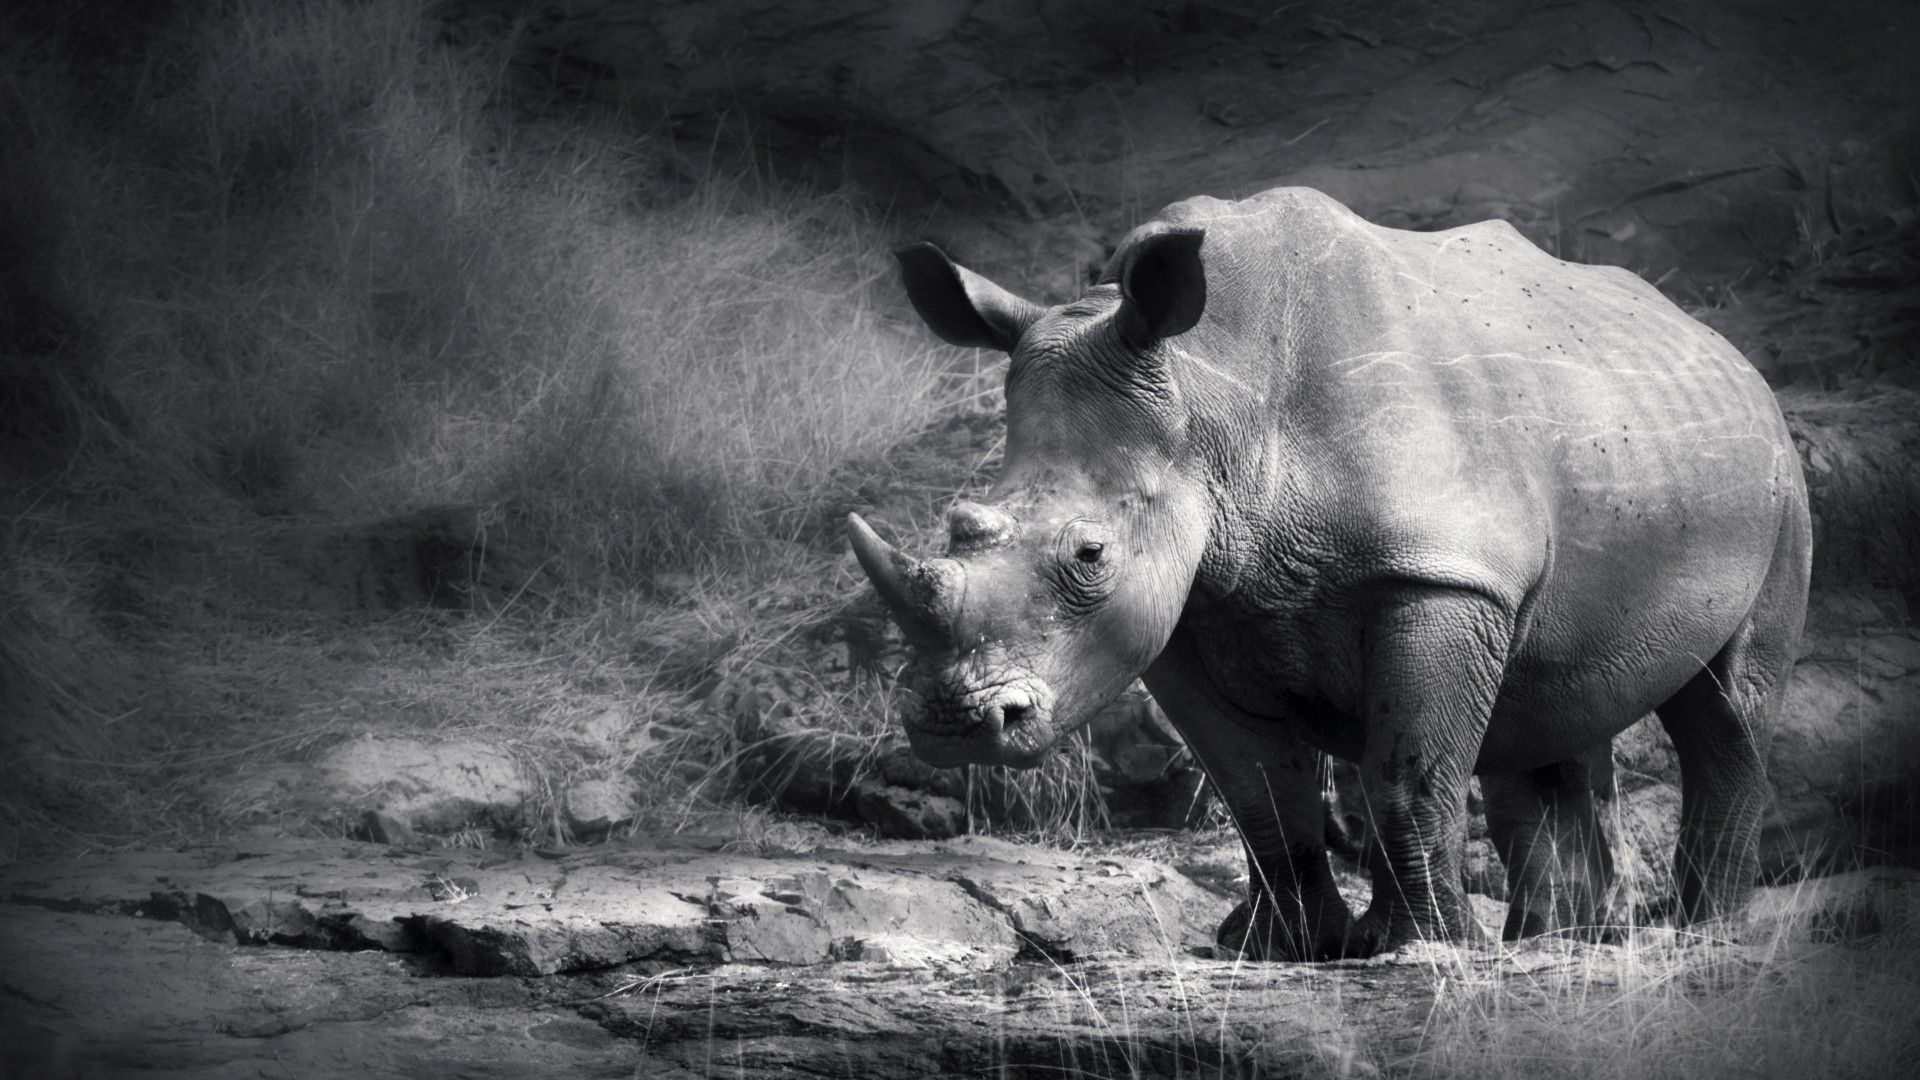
(608, 729)
(598, 805)
(905, 814)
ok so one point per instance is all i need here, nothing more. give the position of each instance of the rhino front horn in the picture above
(888, 568)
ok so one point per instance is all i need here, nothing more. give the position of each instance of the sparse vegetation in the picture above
(1790, 1004)
(1784, 1008)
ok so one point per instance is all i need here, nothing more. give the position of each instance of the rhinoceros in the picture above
(1435, 503)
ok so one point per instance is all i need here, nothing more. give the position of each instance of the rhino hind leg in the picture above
(1720, 737)
(1547, 831)
(1721, 723)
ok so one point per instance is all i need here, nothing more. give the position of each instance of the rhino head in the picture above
(1063, 586)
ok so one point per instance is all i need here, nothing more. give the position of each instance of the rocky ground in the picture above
(321, 959)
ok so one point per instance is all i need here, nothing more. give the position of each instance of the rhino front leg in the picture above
(1270, 782)
(1432, 662)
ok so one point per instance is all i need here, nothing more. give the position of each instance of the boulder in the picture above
(1845, 908)
(908, 814)
(782, 760)
(1076, 907)
(1846, 755)
(1146, 776)
(597, 805)
(1482, 870)
(1642, 823)
(1860, 451)
(425, 786)
(384, 828)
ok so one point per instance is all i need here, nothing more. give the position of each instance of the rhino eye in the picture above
(1080, 560)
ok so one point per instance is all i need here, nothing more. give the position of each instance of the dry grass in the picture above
(368, 289)
(1825, 985)
(1793, 999)
(326, 269)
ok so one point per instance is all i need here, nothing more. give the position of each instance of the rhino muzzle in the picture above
(1007, 723)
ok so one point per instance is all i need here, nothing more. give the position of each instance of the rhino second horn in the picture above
(887, 568)
(970, 524)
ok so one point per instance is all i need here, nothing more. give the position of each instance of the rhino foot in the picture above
(1387, 930)
(1263, 934)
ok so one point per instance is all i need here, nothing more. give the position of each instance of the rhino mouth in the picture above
(999, 723)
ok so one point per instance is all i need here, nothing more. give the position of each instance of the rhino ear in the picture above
(1163, 286)
(959, 305)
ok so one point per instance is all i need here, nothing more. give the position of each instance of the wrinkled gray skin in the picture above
(1434, 503)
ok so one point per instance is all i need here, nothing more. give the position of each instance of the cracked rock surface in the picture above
(971, 904)
(334, 958)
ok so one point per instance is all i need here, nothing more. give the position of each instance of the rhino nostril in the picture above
(1001, 710)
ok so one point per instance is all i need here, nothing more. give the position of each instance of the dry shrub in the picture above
(66, 694)
(331, 268)
(336, 276)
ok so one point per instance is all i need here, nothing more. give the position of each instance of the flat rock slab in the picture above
(972, 904)
(100, 996)
(925, 959)
(107, 996)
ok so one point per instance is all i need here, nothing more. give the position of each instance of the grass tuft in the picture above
(1787, 998)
